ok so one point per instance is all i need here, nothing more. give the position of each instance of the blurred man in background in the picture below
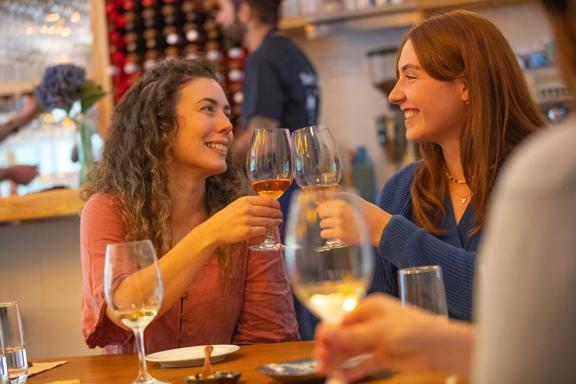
(280, 85)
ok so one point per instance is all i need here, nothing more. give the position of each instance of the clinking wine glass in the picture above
(269, 169)
(328, 282)
(317, 165)
(134, 291)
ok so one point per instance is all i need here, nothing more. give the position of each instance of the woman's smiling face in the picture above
(434, 110)
(204, 133)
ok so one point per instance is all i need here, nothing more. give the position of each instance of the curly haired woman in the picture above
(166, 176)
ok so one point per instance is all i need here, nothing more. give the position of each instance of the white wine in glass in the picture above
(317, 165)
(328, 282)
(134, 292)
(269, 169)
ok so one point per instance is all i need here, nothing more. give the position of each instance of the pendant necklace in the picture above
(464, 198)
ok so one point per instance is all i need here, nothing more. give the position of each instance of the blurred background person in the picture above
(525, 307)
(280, 86)
(467, 108)
(166, 176)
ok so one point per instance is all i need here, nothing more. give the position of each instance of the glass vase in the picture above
(85, 156)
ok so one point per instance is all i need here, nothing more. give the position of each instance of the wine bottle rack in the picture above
(142, 32)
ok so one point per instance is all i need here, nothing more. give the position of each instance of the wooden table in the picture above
(123, 368)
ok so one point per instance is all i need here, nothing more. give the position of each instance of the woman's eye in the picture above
(208, 108)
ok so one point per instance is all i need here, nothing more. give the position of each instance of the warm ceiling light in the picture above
(65, 32)
(52, 17)
(75, 17)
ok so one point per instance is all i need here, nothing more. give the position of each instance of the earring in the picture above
(467, 102)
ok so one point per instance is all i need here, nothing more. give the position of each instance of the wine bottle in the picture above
(148, 17)
(171, 35)
(150, 38)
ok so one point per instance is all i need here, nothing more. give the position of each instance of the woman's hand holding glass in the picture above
(335, 216)
(134, 291)
(397, 337)
(243, 219)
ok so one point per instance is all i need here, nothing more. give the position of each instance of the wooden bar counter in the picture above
(41, 205)
(123, 368)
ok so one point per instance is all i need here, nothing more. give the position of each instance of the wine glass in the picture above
(134, 291)
(423, 287)
(328, 282)
(269, 169)
(317, 165)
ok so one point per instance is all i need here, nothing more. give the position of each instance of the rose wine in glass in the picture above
(317, 165)
(134, 292)
(269, 169)
(328, 282)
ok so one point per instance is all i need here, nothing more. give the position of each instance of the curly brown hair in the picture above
(501, 113)
(139, 147)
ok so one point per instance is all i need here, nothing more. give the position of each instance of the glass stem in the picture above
(142, 369)
(335, 377)
(271, 236)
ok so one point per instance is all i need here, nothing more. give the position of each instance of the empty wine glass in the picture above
(423, 287)
(317, 165)
(328, 282)
(134, 291)
(269, 169)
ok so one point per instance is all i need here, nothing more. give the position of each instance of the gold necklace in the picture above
(455, 180)
(464, 198)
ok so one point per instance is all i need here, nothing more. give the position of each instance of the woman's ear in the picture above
(464, 91)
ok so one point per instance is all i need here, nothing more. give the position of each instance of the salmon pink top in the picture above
(254, 305)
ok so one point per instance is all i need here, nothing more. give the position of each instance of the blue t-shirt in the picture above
(281, 84)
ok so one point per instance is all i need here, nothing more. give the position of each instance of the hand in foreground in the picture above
(22, 174)
(243, 219)
(405, 339)
(336, 218)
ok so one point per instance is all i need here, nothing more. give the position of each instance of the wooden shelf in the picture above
(388, 16)
(17, 87)
(41, 205)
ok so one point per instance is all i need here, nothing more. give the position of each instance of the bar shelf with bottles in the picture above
(142, 32)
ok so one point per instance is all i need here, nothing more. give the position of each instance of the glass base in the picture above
(267, 246)
(148, 380)
(18, 379)
(331, 244)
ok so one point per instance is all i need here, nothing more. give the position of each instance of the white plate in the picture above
(190, 356)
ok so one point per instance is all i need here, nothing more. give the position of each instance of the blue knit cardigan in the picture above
(404, 244)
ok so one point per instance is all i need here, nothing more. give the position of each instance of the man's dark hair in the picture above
(267, 11)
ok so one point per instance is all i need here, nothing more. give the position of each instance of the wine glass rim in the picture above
(271, 129)
(127, 243)
(8, 303)
(419, 269)
(319, 127)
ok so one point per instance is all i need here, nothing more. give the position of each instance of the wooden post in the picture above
(101, 62)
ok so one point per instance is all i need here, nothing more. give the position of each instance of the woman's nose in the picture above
(396, 94)
(224, 123)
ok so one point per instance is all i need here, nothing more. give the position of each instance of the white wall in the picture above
(349, 102)
(40, 268)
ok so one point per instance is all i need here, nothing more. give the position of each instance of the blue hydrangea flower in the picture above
(61, 86)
